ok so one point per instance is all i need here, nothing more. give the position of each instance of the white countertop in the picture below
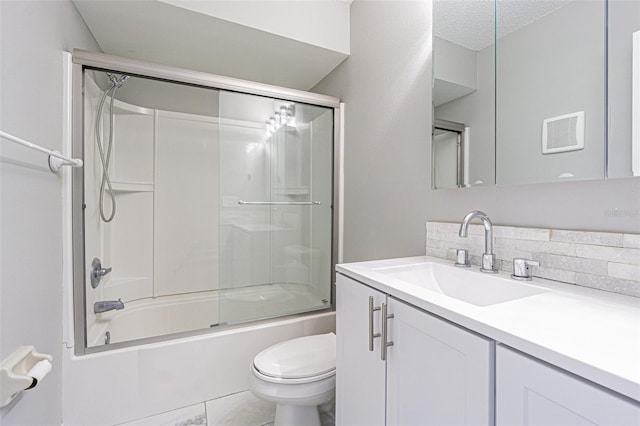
(591, 333)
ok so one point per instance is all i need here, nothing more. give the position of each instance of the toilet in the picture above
(299, 375)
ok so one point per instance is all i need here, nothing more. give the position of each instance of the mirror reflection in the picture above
(536, 103)
(624, 88)
(464, 75)
(550, 92)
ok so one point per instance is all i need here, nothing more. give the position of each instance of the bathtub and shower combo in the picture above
(204, 228)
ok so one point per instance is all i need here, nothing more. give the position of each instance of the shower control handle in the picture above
(97, 272)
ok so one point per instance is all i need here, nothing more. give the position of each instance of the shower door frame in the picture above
(82, 60)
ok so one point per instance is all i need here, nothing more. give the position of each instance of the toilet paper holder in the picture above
(22, 370)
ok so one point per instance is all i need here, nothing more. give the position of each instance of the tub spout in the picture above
(109, 305)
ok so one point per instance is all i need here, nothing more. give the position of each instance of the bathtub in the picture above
(168, 315)
(122, 385)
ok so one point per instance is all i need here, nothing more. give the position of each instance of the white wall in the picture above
(33, 37)
(386, 86)
(387, 150)
(305, 21)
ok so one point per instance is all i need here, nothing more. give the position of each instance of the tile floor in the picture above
(239, 409)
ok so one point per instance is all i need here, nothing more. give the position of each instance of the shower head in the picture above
(116, 81)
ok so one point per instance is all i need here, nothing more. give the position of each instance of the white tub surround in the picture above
(122, 385)
(600, 260)
(589, 333)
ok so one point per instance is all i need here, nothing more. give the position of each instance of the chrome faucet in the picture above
(488, 258)
(109, 305)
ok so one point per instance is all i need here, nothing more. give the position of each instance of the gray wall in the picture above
(385, 84)
(551, 67)
(33, 36)
(626, 15)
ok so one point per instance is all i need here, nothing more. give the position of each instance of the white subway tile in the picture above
(505, 243)
(624, 271)
(509, 255)
(631, 240)
(616, 285)
(550, 247)
(555, 274)
(434, 243)
(567, 263)
(522, 233)
(587, 237)
(440, 253)
(611, 254)
(607, 261)
(442, 227)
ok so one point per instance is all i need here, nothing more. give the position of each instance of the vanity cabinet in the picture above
(531, 392)
(435, 373)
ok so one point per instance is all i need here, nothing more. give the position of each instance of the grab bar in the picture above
(279, 203)
(54, 163)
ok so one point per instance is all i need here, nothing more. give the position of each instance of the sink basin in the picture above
(462, 284)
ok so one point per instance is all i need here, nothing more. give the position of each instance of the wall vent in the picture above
(563, 133)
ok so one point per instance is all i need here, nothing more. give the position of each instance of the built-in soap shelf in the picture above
(125, 108)
(122, 186)
(22, 370)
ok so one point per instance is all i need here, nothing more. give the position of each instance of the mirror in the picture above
(536, 104)
(550, 92)
(463, 92)
(624, 88)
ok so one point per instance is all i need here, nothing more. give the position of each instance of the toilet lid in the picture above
(298, 358)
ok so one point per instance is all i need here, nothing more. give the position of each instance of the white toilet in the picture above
(298, 375)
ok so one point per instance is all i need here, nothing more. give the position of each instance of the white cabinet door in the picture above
(530, 392)
(437, 373)
(360, 373)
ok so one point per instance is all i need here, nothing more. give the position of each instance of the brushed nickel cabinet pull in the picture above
(384, 344)
(372, 335)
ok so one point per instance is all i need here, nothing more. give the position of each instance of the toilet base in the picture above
(297, 415)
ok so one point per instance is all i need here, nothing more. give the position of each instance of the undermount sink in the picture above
(462, 284)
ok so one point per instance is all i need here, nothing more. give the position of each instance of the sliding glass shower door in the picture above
(224, 207)
(275, 218)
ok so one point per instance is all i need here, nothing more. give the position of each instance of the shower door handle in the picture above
(279, 203)
(372, 335)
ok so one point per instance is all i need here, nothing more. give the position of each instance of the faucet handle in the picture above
(97, 272)
(521, 270)
(462, 257)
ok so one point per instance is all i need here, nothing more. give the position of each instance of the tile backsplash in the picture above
(601, 260)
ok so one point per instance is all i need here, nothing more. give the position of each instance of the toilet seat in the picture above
(301, 380)
(301, 360)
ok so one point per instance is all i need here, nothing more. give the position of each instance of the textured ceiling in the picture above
(470, 23)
